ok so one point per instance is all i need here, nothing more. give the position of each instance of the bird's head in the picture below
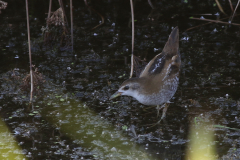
(130, 87)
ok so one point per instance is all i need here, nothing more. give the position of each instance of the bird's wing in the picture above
(166, 62)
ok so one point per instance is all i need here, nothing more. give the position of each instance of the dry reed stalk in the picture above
(30, 54)
(132, 55)
(71, 13)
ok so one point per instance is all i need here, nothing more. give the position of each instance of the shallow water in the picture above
(72, 118)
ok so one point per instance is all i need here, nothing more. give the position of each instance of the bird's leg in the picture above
(158, 109)
(165, 107)
(164, 111)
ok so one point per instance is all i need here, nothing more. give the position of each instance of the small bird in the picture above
(159, 80)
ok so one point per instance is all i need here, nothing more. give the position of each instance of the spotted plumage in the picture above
(158, 81)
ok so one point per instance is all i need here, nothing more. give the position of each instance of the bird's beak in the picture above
(116, 94)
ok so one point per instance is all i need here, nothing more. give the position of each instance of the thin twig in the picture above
(234, 12)
(132, 56)
(62, 6)
(220, 7)
(206, 24)
(71, 13)
(102, 22)
(49, 10)
(97, 13)
(150, 3)
(29, 48)
(230, 3)
(206, 14)
(215, 21)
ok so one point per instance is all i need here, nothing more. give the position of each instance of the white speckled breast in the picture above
(165, 94)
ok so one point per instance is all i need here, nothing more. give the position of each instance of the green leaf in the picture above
(124, 127)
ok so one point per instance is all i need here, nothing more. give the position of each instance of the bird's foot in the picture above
(159, 108)
(163, 114)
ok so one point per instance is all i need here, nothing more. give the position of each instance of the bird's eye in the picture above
(126, 88)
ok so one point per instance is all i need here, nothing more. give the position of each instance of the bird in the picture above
(159, 80)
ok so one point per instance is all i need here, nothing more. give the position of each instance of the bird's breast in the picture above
(164, 94)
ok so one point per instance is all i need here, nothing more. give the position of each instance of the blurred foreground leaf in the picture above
(9, 148)
(202, 145)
